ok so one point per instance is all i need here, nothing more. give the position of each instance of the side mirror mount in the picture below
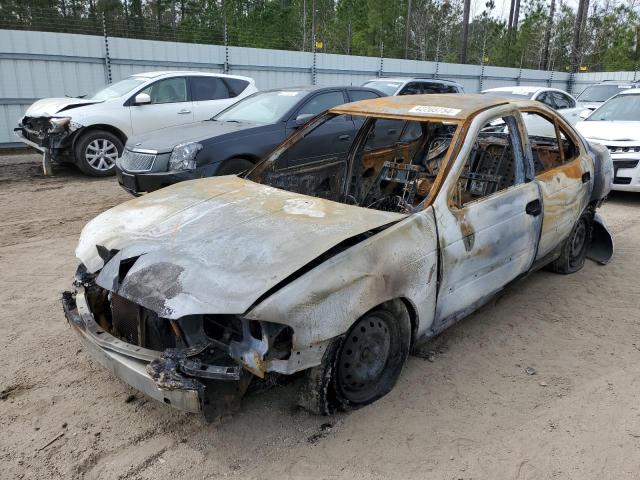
(585, 113)
(142, 99)
(303, 118)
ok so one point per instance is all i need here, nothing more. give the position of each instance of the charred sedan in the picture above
(236, 139)
(335, 264)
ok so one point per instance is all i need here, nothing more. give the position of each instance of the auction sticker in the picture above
(435, 110)
(288, 94)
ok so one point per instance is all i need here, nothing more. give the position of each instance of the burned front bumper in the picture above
(159, 375)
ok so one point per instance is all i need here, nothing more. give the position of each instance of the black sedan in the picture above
(235, 139)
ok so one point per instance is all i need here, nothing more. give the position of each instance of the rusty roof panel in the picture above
(452, 107)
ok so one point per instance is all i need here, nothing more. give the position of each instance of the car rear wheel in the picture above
(97, 152)
(574, 249)
(362, 366)
(234, 166)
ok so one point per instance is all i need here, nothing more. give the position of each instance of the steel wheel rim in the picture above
(364, 356)
(578, 241)
(101, 154)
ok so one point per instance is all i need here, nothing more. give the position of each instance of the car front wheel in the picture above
(96, 153)
(363, 365)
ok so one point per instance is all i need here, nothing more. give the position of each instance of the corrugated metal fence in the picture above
(35, 65)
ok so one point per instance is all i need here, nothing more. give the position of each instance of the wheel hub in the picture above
(364, 354)
(101, 154)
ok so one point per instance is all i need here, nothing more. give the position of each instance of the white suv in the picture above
(91, 132)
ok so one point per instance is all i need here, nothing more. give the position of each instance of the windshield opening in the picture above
(623, 108)
(119, 89)
(382, 164)
(386, 87)
(601, 93)
(262, 107)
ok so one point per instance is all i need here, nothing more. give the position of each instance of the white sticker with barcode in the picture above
(435, 110)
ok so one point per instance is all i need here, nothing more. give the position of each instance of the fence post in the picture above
(107, 58)
(381, 59)
(570, 83)
(225, 68)
(550, 79)
(313, 64)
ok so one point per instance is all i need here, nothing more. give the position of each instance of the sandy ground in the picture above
(471, 413)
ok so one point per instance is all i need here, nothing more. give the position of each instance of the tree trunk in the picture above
(406, 34)
(546, 59)
(583, 7)
(465, 31)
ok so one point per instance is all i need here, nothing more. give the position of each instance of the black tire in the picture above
(94, 161)
(233, 166)
(574, 250)
(363, 365)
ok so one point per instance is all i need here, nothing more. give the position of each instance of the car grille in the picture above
(625, 163)
(136, 161)
(613, 149)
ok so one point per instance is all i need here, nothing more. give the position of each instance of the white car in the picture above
(554, 98)
(413, 86)
(616, 125)
(91, 132)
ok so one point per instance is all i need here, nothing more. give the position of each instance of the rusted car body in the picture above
(335, 266)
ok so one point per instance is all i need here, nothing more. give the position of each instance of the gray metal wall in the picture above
(43, 64)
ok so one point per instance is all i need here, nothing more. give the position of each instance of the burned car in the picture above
(334, 266)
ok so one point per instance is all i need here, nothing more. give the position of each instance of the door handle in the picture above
(586, 176)
(184, 111)
(344, 138)
(534, 208)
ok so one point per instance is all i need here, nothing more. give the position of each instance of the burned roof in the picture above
(454, 107)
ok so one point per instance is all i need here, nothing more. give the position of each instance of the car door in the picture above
(488, 216)
(170, 105)
(356, 95)
(330, 139)
(210, 95)
(564, 172)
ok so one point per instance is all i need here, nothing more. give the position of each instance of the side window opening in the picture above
(235, 85)
(208, 88)
(397, 174)
(170, 90)
(548, 151)
(494, 163)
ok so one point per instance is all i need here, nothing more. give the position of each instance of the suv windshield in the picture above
(386, 87)
(119, 89)
(623, 108)
(600, 93)
(262, 107)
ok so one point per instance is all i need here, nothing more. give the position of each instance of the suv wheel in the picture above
(96, 153)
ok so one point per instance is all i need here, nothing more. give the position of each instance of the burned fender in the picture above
(601, 248)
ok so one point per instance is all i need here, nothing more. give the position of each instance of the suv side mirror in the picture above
(303, 118)
(142, 99)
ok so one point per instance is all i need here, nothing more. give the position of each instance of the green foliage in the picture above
(432, 31)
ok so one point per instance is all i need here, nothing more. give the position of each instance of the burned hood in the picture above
(215, 245)
(49, 107)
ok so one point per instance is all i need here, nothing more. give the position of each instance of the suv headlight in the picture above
(183, 156)
(59, 124)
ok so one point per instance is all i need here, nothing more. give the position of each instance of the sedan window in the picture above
(563, 101)
(170, 90)
(322, 102)
(624, 108)
(357, 95)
